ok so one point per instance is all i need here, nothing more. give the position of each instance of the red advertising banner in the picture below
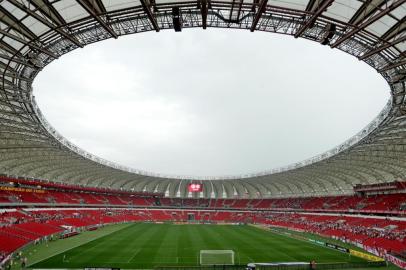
(396, 261)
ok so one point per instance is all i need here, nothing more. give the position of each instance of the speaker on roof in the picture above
(177, 24)
(329, 32)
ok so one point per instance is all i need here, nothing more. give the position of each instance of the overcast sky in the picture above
(208, 103)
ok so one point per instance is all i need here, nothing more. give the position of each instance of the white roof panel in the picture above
(401, 46)
(70, 10)
(171, 1)
(342, 10)
(111, 5)
(293, 4)
(400, 12)
(13, 43)
(18, 13)
(35, 26)
(382, 25)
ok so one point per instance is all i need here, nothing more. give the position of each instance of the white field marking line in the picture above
(57, 268)
(40, 260)
(271, 231)
(173, 258)
(170, 261)
(135, 254)
(249, 258)
(74, 256)
(110, 262)
(315, 244)
(264, 250)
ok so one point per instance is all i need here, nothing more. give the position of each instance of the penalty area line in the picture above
(135, 254)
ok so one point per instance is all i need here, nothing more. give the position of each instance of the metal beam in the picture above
(393, 65)
(7, 47)
(17, 76)
(203, 10)
(261, 9)
(231, 11)
(11, 21)
(383, 47)
(368, 8)
(45, 22)
(396, 29)
(373, 19)
(4, 67)
(101, 6)
(91, 10)
(48, 10)
(323, 7)
(31, 45)
(310, 5)
(16, 60)
(49, 53)
(239, 10)
(151, 17)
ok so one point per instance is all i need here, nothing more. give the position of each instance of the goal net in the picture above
(216, 257)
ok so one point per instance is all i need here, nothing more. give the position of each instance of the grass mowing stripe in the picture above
(60, 249)
(265, 245)
(273, 245)
(153, 242)
(186, 245)
(234, 237)
(308, 243)
(169, 247)
(96, 245)
(201, 237)
(149, 245)
(83, 248)
(249, 249)
(123, 246)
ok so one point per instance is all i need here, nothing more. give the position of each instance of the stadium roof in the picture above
(34, 33)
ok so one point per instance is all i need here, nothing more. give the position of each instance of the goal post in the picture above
(216, 257)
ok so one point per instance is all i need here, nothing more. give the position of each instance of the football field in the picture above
(147, 246)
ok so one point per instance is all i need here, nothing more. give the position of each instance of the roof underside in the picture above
(34, 33)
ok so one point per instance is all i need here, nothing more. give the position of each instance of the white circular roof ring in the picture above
(36, 35)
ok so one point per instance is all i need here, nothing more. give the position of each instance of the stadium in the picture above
(62, 207)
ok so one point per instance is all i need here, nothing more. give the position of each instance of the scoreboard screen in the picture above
(195, 187)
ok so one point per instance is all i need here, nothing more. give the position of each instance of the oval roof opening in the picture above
(208, 103)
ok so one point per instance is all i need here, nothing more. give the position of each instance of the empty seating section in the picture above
(39, 229)
(16, 232)
(9, 243)
(28, 197)
(56, 197)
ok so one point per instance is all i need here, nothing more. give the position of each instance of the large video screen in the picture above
(195, 187)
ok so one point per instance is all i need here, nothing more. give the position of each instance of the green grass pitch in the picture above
(146, 246)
